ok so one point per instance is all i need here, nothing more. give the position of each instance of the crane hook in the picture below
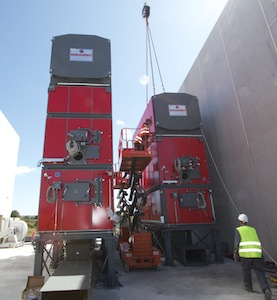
(146, 11)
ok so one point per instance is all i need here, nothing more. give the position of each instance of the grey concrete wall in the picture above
(235, 80)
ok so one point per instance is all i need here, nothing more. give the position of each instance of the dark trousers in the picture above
(255, 264)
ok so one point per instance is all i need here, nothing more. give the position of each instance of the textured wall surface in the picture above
(235, 80)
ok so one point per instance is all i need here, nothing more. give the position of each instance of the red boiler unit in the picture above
(179, 204)
(76, 191)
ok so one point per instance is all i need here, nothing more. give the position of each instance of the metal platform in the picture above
(70, 278)
(132, 159)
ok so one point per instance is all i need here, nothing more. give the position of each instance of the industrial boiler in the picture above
(175, 198)
(76, 190)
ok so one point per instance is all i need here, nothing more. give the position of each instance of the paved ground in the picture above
(215, 281)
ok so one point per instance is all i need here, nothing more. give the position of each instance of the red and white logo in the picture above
(177, 110)
(81, 55)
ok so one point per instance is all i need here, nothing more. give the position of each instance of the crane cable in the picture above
(149, 43)
(217, 170)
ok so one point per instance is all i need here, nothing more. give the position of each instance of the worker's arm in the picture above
(236, 246)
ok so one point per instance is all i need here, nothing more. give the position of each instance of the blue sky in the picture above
(179, 29)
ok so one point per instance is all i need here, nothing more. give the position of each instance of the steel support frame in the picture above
(51, 237)
(167, 231)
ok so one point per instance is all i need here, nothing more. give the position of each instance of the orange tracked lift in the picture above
(136, 249)
(140, 254)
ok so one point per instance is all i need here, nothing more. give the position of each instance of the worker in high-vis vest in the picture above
(138, 142)
(144, 133)
(141, 140)
(248, 250)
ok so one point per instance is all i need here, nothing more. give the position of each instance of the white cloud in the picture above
(119, 122)
(22, 170)
(144, 79)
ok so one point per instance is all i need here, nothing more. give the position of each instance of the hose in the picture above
(178, 165)
(218, 172)
(72, 147)
(201, 200)
(51, 194)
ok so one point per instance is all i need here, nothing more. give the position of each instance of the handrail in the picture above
(127, 136)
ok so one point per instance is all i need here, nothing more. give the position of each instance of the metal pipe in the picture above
(212, 205)
(49, 160)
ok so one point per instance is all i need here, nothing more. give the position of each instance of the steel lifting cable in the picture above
(146, 14)
(150, 56)
(217, 170)
(156, 58)
(225, 188)
(149, 43)
(146, 60)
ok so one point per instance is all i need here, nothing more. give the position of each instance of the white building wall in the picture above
(9, 146)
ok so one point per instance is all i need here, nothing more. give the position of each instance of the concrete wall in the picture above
(9, 145)
(235, 80)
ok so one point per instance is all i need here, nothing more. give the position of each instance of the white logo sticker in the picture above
(177, 110)
(81, 54)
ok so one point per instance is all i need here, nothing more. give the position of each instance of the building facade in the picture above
(9, 145)
(235, 80)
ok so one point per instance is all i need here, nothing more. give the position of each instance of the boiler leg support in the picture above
(38, 257)
(110, 246)
(168, 249)
(217, 247)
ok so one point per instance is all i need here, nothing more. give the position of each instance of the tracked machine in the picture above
(135, 242)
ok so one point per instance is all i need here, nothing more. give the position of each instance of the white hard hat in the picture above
(243, 218)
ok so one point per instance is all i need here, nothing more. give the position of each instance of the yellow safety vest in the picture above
(250, 245)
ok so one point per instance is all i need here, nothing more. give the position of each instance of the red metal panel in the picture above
(80, 100)
(185, 215)
(165, 151)
(48, 212)
(174, 211)
(64, 215)
(77, 99)
(175, 147)
(58, 99)
(106, 150)
(56, 136)
(101, 101)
